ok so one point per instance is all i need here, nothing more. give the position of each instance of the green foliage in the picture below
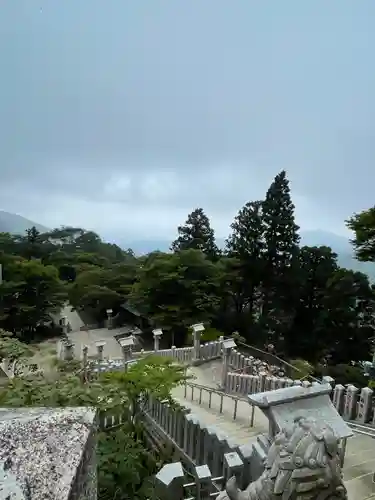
(30, 292)
(11, 348)
(177, 290)
(125, 465)
(344, 374)
(197, 234)
(302, 369)
(363, 226)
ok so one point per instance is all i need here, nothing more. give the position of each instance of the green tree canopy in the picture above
(363, 226)
(177, 290)
(197, 234)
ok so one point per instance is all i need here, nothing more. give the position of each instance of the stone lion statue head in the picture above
(302, 464)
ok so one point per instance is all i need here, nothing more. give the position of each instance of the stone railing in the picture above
(172, 482)
(353, 404)
(180, 354)
(183, 355)
(217, 464)
(193, 442)
(208, 351)
(238, 383)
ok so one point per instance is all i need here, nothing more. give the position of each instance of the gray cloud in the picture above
(127, 115)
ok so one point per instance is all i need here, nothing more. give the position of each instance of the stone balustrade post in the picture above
(227, 346)
(100, 349)
(350, 408)
(338, 398)
(328, 380)
(64, 325)
(110, 319)
(198, 328)
(170, 482)
(203, 481)
(69, 351)
(85, 350)
(158, 332)
(365, 405)
(127, 344)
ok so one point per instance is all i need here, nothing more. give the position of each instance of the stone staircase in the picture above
(231, 416)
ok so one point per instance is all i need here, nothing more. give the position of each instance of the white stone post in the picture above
(227, 346)
(110, 319)
(339, 398)
(100, 348)
(365, 405)
(127, 344)
(69, 351)
(84, 354)
(158, 332)
(85, 359)
(198, 328)
(350, 408)
(64, 325)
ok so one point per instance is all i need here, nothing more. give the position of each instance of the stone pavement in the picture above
(359, 467)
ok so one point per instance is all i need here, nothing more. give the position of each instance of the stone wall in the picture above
(48, 453)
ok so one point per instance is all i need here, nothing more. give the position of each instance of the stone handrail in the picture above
(221, 394)
(195, 442)
(351, 403)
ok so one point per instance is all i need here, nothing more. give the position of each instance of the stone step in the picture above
(361, 487)
(359, 464)
(236, 431)
(361, 469)
(352, 459)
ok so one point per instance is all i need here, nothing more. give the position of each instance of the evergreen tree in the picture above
(304, 339)
(363, 226)
(280, 257)
(196, 234)
(245, 247)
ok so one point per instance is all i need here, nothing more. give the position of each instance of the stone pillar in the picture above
(197, 329)
(338, 398)
(69, 351)
(110, 319)
(158, 332)
(64, 325)
(350, 408)
(127, 344)
(227, 346)
(85, 359)
(84, 355)
(365, 405)
(100, 348)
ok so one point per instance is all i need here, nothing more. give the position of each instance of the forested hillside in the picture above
(277, 294)
(264, 284)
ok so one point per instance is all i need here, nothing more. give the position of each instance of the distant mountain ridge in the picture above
(16, 224)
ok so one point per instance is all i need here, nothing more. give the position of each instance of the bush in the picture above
(208, 335)
(302, 369)
(344, 374)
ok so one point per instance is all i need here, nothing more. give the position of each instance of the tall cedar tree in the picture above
(363, 226)
(197, 234)
(246, 246)
(280, 257)
(304, 339)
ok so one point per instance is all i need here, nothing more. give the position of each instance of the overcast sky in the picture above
(124, 115)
